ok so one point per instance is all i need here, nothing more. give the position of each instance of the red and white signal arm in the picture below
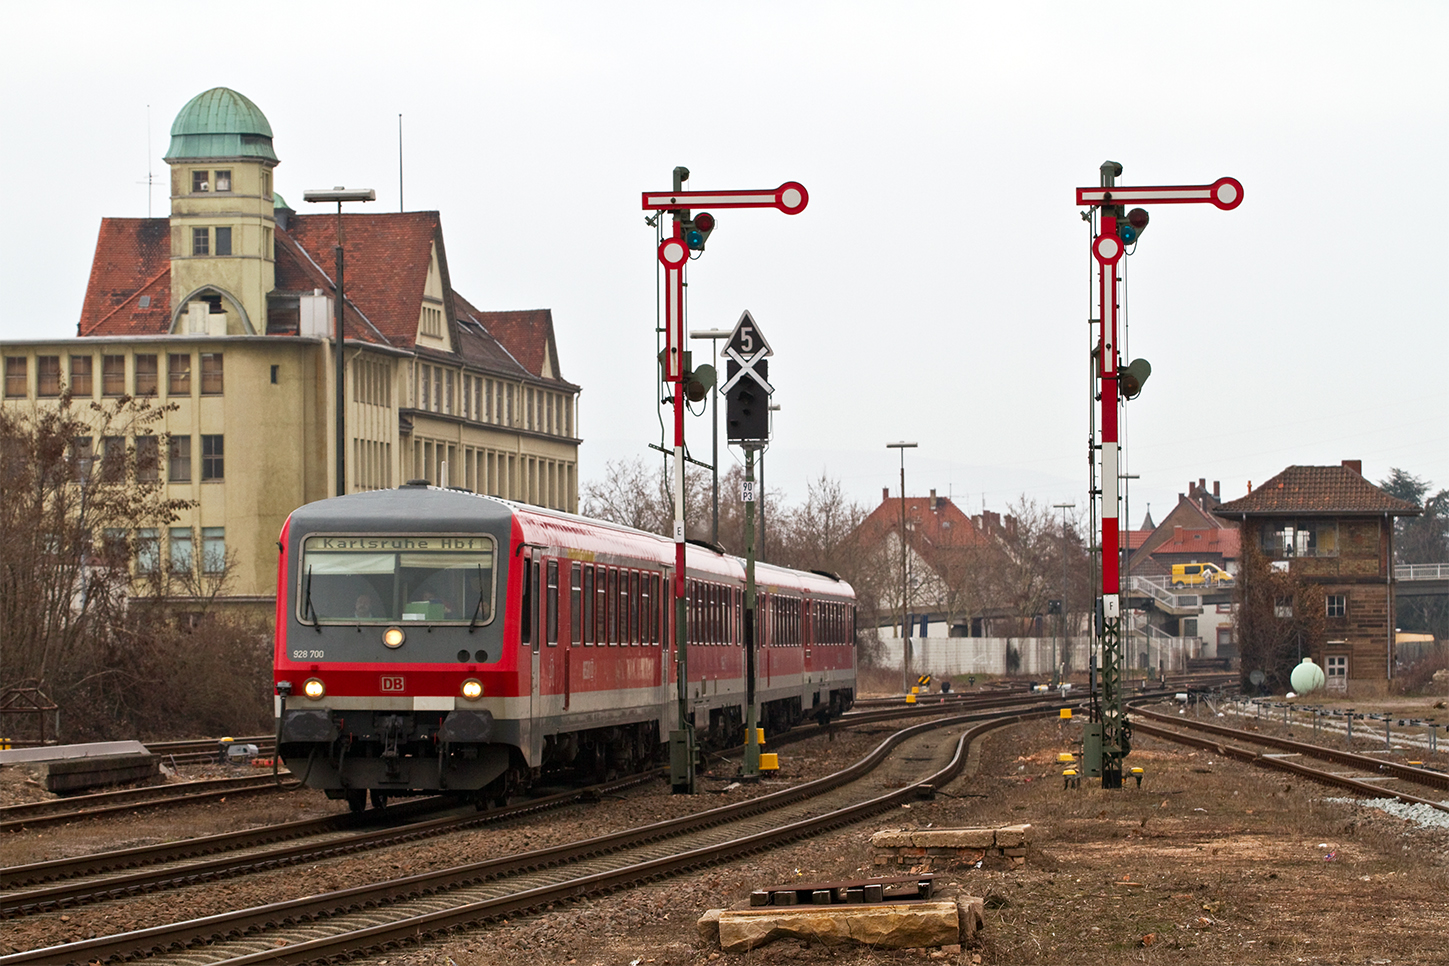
(791, 198)
(1224, 193)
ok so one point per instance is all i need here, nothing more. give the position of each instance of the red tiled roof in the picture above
(527, 334)
(387, 259)
(1136, 538)
(945, 526)
(1218, 540)
(133, 259)
(1316, 490)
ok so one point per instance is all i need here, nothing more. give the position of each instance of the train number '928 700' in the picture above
(432, 641)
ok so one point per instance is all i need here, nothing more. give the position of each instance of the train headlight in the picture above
(314, 688)
(394, 637)
(472, 689)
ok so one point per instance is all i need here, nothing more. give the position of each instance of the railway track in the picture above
(1367, 775)
(14, 818)
(379, 915)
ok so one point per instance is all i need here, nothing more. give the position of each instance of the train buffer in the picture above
(901, 888)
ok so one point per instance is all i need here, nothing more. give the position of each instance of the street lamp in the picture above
(339, 195)
(1062, 614)
(714, 335)
(905, 589)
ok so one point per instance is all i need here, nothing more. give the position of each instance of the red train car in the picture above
(434, 641)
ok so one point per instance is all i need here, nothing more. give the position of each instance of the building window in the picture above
(148, 459)
(213, 550)
(178, 469)
(113, 375)
(1300, 538)
(178, 374)
(1283, 608)
(146, 376)
(201, 241)
(212, 462)
(180, 550)
(1337, 667)
(223, 241)
(266, 184)
(47, 375)
(223, 180)
(17, 374)
(426, 383)
(1337, 605)
(148, 550)
(437, 389)
(113, 458)
(211, 373)
(448, 393)
(267, 244)
(82, 457)
(80, 376)
(200, 181)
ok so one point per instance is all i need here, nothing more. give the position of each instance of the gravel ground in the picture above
(1210, 861)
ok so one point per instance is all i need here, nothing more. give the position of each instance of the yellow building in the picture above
(226, 308)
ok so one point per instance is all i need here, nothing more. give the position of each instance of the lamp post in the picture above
(905, 589)
(714, 335)
(339, 195)
(1062, 615)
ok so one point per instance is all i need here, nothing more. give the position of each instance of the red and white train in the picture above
(431, 641)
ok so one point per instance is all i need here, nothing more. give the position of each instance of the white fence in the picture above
(960, 656)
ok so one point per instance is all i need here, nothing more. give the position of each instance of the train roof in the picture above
(809, 582)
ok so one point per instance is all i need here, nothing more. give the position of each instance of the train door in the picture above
(534, 604)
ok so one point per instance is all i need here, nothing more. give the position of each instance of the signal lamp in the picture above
(1130, 229)
(1131, 377)
(393, 637)
(314, 688)
(698, 383)
(696, 230)
(472, 689)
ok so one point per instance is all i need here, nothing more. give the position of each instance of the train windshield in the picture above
(348, 579)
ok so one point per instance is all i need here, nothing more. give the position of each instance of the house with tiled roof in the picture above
(1330, 526)
(226, 309)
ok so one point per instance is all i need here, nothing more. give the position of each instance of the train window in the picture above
(622, 605)
(525, 613)
(551, 638)
(576, 588)
(535, 602)
(601, 608)
(589, 606)
(634, 607)
(655, 603)
(613, 606)
(376, 579)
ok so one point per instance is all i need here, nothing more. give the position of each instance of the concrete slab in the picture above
(887, 925)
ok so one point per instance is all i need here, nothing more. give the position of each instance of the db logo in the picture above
(392, 683)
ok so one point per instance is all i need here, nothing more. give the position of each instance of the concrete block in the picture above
(887, 925)
(1011, 836)
(78, 774)
(891, 839)
(958, 838)
(708, 925)
(971, 911)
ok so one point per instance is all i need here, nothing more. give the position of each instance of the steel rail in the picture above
(1410, 773)
(1250, 756)
(242, 922)
(14, 818)
(207, 870)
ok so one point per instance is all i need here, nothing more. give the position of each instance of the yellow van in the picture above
(1197, 574)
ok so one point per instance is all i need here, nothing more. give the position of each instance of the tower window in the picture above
(201, 241)
(266, 184)
(223, 241)
(223, 180)
(200, 181)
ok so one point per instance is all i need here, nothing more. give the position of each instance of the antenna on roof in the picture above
(150, 179)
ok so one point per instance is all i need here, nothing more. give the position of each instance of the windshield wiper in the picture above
(473, 624)
(307, 603)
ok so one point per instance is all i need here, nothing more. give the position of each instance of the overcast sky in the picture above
(935, 289)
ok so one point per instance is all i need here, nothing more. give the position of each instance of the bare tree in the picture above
(1280, 618)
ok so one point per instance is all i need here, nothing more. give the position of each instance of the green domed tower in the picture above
(222, 224)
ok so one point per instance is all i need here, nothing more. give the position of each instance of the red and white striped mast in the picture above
(1111, 731)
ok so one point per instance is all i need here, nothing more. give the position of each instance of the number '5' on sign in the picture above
(747, 491)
